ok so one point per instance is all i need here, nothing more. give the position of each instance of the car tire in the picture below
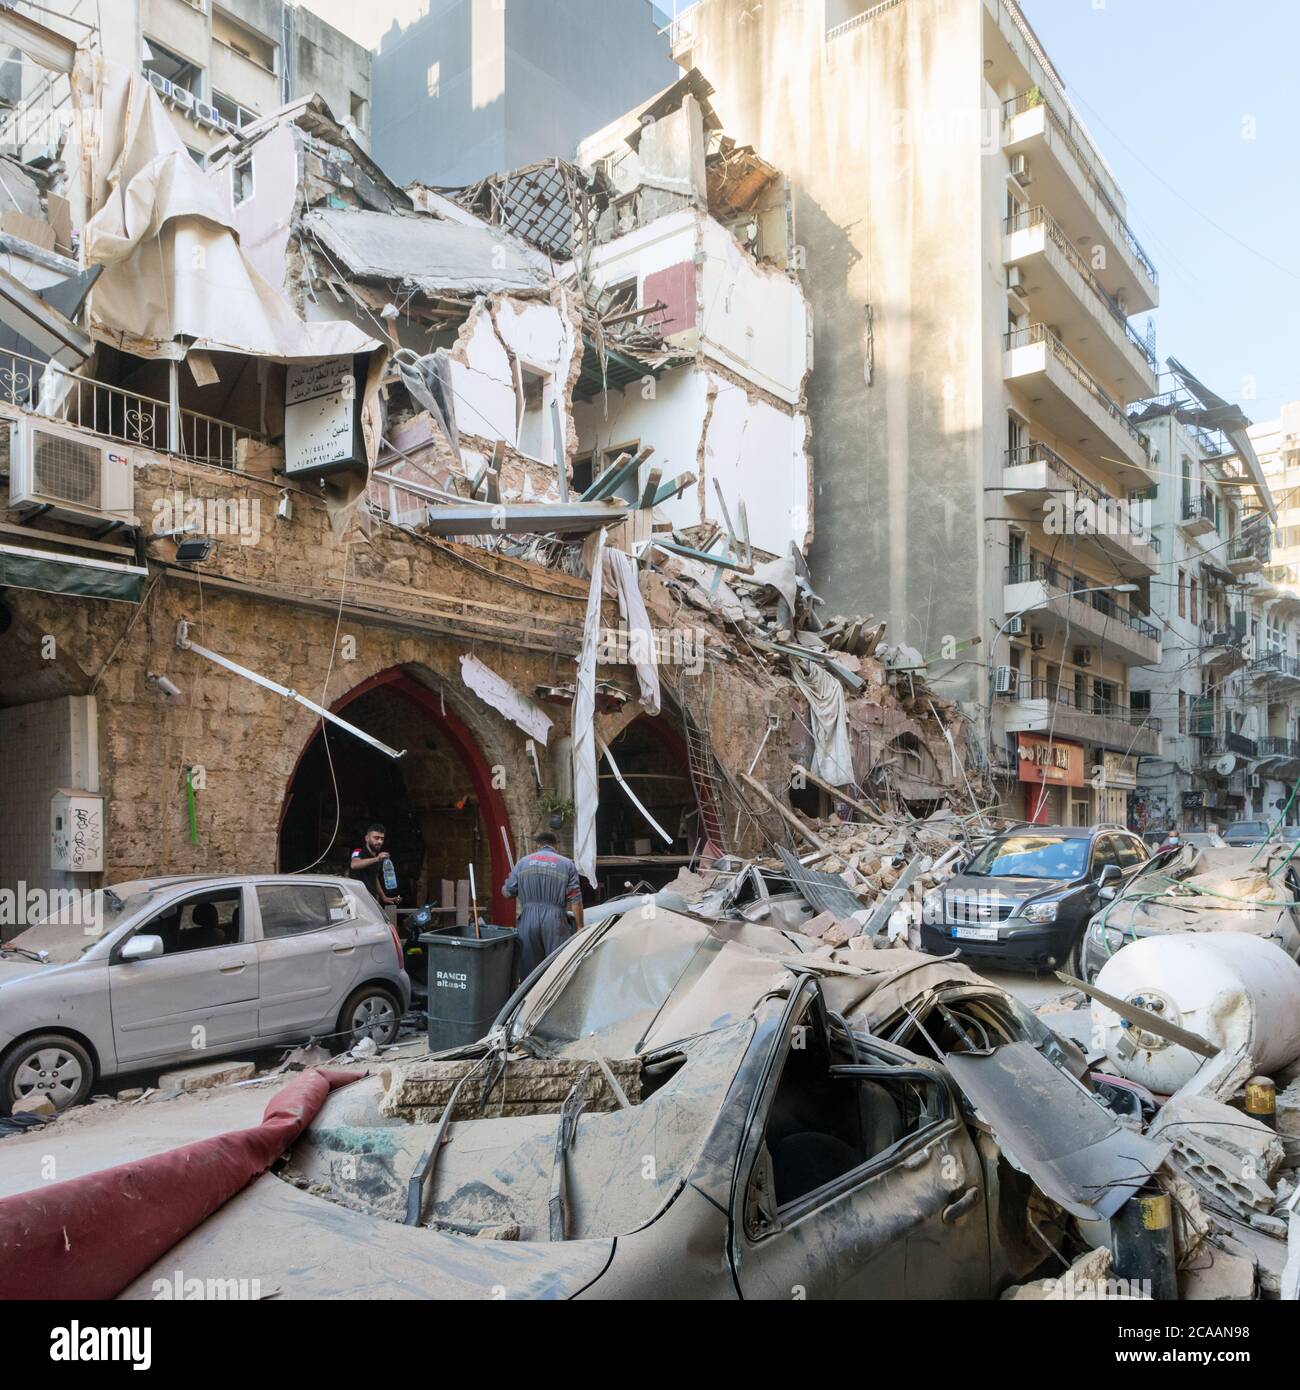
(48, 1063)
(1074, 961)
(370, 1012)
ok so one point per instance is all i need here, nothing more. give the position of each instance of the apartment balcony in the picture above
(1038, 477)
(1247, 554)
(1095, 620)
(1036, 706)
(1061, 287)
(1197, 516)
(1063, 171)
(1279, 747)
(1066, 400)
(1222, 650)
(1276, 669)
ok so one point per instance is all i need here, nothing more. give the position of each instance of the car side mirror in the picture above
(1110, 876)
(142, 948)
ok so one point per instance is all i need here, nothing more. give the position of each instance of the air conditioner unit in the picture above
(183, 98)
(159, 83)
(1256, 781)
(209, 115)
(1020, 170)
(1015, 627)
(76, 477)
(228, 126)
(1015, 279)
(1083, 656)
(1005, 680)
(1037, 641)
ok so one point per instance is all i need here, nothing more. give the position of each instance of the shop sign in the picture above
(1049, 760)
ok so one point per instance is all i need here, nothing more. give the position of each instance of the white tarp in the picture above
(496, 691)
(164, 233)
(586, 787)
(832, 756)
(621, 570)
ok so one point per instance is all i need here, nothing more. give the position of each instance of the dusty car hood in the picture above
(979, 888)
(296, 1245)
(16, 968)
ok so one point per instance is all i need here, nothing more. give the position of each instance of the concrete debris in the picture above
(34, 1105)
(1229, 1158)
(1087, 1278)
(205, 1077)
(1218, 1276)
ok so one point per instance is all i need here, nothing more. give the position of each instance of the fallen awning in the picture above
(50, 572)
(33, 318)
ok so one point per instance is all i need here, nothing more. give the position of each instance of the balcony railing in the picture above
(1272, 747)
(47, 389)
(1040, 453)
(1199, 509)
(1038, 333)
(1275, 664)
(1040, 217)
(1067, 697)
(1043, 571)
(1087, 159)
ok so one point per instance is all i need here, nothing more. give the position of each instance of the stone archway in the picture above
(475, 810)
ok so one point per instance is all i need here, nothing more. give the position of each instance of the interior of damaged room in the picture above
(451, 847)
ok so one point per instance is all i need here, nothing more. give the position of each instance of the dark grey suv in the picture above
(1026, 897)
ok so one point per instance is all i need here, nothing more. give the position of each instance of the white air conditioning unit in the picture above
(228, 126)
(1005, 680)
(1083, 656)
(1020, 170)
(209, 115)
(1015, 627)
(1037, 641)
(183, 98)
(76, 477)
(159, 83)
(1256, 781)
(1015, 279)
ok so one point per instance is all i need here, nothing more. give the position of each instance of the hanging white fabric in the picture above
(621, 570)
(586, 787)
(832, 759)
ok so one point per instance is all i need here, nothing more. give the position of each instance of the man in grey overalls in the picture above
(546, 884)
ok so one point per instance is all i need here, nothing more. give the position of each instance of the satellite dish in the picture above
(1226, 765)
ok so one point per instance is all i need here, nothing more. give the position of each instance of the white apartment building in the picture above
(972, 273)
(1224, 693)
(218, 66)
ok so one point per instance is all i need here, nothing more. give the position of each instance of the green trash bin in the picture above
(470, 978)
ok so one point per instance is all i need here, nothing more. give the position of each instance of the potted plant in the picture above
(558, 810)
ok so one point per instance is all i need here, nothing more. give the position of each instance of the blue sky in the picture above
(1196, 107)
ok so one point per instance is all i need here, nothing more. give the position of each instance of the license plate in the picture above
(974, 933)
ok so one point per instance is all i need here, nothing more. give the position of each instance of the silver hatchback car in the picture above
(165, 971)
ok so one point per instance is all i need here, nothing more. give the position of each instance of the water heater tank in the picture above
(1230, 988)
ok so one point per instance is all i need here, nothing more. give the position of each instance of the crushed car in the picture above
(692, 1107)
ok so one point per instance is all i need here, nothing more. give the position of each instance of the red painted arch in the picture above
(491, 803)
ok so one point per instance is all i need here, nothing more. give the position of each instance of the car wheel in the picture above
(371, 1012)
(1074, 961)
(48, 1064)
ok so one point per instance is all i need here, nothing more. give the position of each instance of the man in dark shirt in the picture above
(367, 867)
(546, 883)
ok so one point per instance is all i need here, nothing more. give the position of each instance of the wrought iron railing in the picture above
(1041, 453)
(1275, 664)
(1040, 217)
(1274, 747)
(1087, 160)
(49, 390)
(1044, 571)
(1039, 333)
(1068, 698)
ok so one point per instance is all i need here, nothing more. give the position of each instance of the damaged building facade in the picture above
(363, 458)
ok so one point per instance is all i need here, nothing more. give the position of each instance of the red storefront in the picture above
(1046, 767)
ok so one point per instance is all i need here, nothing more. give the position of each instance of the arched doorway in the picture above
(652, 757)
(438, 803)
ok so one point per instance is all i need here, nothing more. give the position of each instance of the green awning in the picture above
(620, 371)
(53, 573)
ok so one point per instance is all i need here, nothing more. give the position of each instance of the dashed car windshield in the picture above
(1031, 856)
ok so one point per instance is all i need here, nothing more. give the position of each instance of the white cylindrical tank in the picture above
(1230, 988)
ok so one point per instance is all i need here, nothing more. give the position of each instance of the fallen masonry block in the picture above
(1216, 1276)
(207, 1076)
(1228, 1157)
(1288, 1110)
(35, 1104)
(420, 1090)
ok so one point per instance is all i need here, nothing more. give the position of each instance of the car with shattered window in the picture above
(1025, 898)
(127, 978)
(1253, 889)
(683, 1107)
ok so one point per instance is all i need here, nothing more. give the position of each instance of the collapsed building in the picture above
(309, 475)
